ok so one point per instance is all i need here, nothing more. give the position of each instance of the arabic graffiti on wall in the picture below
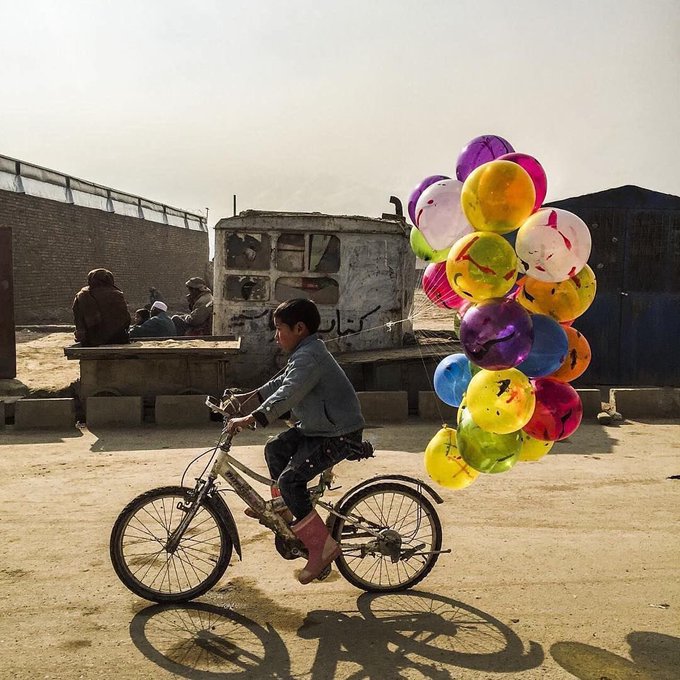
(339, 324)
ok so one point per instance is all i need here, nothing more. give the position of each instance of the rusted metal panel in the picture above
(8, 356)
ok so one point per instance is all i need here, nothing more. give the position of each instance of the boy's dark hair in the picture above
(144, 313)
(299, 309)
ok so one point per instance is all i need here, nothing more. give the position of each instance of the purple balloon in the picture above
(497, 334)
(478, 151)
(536, 172)
(415, 194)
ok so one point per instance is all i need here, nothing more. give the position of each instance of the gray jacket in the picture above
(315, 390)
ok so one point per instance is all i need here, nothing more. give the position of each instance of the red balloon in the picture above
(558, 410)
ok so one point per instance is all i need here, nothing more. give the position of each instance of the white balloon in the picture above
(439, 215)
(553, 245)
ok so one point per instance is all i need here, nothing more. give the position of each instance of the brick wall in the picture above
(56, 244)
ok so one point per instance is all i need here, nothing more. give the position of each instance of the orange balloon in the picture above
(562, 301)
(577, 359)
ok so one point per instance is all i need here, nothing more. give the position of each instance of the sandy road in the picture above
(563, 568)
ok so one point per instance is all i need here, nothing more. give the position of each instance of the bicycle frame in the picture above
(227, 467)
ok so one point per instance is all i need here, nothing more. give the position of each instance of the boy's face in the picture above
(289, 337)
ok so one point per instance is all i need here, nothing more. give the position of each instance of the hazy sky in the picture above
(333, 106)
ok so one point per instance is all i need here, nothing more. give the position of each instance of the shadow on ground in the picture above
(588, 439)
(11, 437)
(388, 635)
(654, 657)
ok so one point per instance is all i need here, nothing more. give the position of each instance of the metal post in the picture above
(69, 193)
(8, 352)
(18, 183)
(234, 205)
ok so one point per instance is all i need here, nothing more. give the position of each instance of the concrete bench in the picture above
(44, 414)
(114, 411)
(592, 402)
(646, 402)
(181, 409)
(431, 407)
(384, 406)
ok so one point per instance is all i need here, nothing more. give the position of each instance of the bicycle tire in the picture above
(126, 572)
(396, 489)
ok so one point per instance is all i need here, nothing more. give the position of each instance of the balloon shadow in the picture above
(205, 642)
(403, 632)
(654, 657)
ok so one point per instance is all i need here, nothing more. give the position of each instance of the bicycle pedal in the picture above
(324, 574)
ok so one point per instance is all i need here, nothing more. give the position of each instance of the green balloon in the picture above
(474, 369)
(485, 451)
(423, 250)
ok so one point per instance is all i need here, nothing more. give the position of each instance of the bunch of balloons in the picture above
(517, 305)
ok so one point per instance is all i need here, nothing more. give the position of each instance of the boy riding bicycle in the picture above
(328, 426)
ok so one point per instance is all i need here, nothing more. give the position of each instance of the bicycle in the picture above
(174, 543)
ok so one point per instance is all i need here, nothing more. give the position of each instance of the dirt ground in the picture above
(563, 568)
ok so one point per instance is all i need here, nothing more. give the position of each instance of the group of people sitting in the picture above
(101, 314)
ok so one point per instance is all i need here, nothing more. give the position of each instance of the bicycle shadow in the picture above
(387, 636)
(655, 656)
(414, 630)
(203, 641)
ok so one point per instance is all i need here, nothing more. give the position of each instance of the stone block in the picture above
(431, 407)
(181, 409)
(592, 402)
(646, 402)
(380, 407)
(44, 414)
(114, 411)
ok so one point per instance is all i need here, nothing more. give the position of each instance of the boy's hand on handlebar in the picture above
(235, 425)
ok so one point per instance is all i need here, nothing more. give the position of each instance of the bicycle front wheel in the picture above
(403, 554)
(139, 541)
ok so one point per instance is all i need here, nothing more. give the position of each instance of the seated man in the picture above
(315, 389)
(199, 319)
(100, 312)
(159, 324)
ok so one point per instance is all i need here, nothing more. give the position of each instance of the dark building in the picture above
(633, 325)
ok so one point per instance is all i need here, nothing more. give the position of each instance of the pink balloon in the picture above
(536, 172)
(436, 287)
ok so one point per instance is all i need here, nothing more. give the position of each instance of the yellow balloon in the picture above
(498, 196)
(564, 300)
(501, 401)
(533, 449)
(444, 464)
(481, 265)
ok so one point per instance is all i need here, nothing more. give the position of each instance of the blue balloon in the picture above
(452, 377)
(548, 350)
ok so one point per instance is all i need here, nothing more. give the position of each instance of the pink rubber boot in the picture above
(321, 548)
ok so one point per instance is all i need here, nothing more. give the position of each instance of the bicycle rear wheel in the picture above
(139, 539)
(411, 530)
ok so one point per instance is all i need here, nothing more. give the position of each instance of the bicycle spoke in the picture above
(369, 558)
(144, 540)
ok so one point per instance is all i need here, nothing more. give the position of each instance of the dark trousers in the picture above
(293, 460)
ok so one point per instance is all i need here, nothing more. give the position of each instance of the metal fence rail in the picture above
(33, 180)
